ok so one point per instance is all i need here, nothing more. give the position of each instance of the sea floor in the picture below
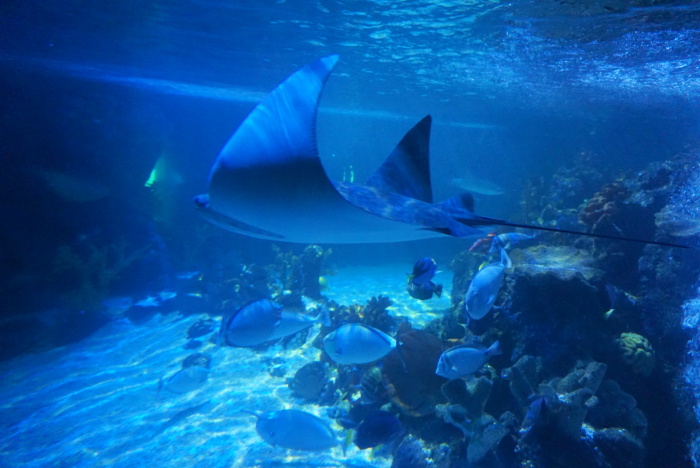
(97, 403)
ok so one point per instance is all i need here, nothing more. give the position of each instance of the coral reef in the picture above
(549, 201)
(374, 314)
(600, 212)
(88, 273)
(636, 352)
(300, 275)
(488, 433)
(555, 308)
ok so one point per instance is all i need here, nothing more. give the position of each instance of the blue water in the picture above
(94, 94)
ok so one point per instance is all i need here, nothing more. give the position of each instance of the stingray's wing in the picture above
(269, 182)
(407, 169)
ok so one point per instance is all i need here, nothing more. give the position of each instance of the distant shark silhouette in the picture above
(268, 181)
(473, 183)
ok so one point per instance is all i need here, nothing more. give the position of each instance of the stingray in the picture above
(268, 181)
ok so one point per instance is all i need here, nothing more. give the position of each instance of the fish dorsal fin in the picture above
(386, 338)
(406, 170)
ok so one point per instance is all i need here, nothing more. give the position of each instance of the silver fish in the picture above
(462, 360)
(484, 288)
(294, 429)
(262, 321)
(355, 343)
(186, 380)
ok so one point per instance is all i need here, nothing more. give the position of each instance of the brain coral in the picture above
(637, 353)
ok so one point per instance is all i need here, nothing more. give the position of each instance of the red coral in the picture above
(601, 209)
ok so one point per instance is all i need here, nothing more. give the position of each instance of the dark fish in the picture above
(539, 409)
(424, 291)
(419, 284)
(423, 271)
(380, 427)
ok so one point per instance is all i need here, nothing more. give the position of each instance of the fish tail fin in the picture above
(324, 317)
(505, 259)
(347, 441)
(494, 349)
(438, 290)
(399, 351)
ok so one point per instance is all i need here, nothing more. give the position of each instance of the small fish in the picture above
(157, 300)
(419, 284)
(372, 387)
(462, 360)
(355, 343)
(539, 411)
(508, 240)
(167, 295)
(380, 427)
(187, 275)
(294, 429)
(484, 288)
(150, 301)
(185, 380)
(423, 271)
(424, 291)
(263, 320)
(618, 300)
(483, 244)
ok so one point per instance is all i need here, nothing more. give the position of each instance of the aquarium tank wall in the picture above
(350, 233)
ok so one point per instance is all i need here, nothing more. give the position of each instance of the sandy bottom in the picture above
(96, 402)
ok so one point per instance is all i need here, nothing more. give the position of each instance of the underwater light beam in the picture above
(106, 74)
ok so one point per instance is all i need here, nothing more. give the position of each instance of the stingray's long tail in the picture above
(483, 221)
